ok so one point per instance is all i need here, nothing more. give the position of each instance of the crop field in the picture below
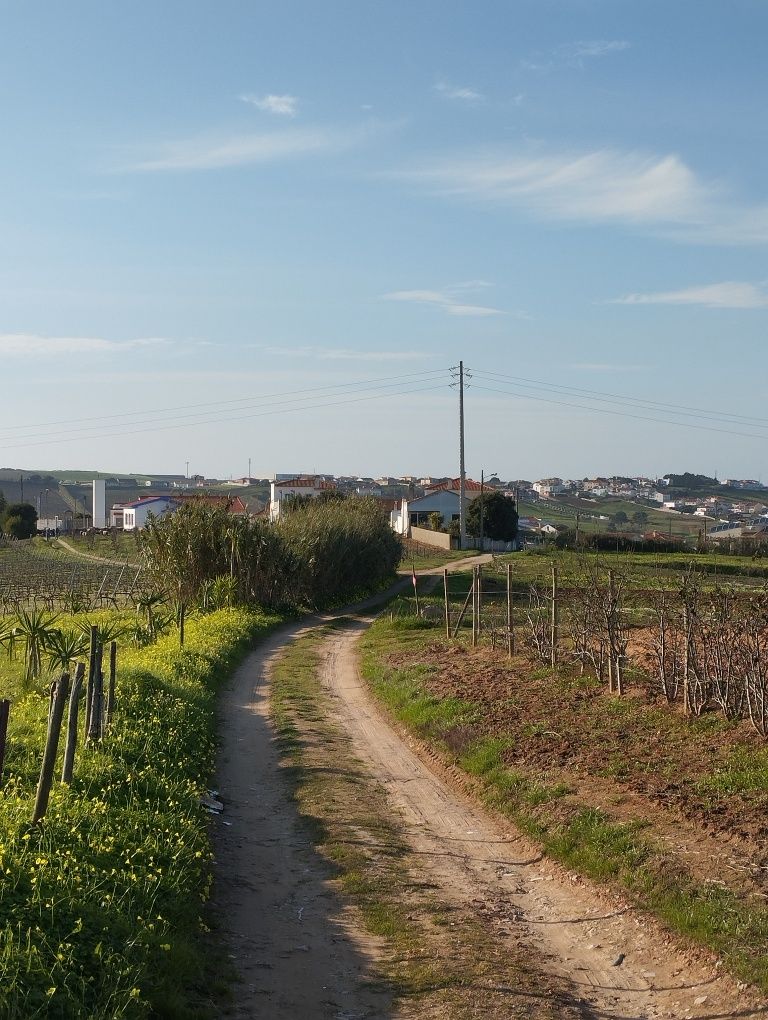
(625, 730)
(639, 570)
(595, 516)
(46, 574)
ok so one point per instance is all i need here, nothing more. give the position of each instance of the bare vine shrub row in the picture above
(708, 649)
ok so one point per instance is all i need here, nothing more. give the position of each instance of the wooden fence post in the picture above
(110, 710)
(447, 606)
(55, 715)
(5, 711)
(555, 619)
(474, 607)
(687, 661)
(470, 595)
(91, 677)
(612, 678)
(97, 698)
(71, 745)
(510, 620)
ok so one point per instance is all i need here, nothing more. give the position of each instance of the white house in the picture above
(135, 514)
(548, 487)
(310, 486)
(442, 499)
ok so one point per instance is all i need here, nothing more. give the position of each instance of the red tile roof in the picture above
(308, 483)
(454, 484)
(234, 504)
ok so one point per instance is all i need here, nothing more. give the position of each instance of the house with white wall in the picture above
(442, 499)
(303, 487)
(135, 514)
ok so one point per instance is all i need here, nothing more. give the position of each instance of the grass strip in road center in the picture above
(440, 959)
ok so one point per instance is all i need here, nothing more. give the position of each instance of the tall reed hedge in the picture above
(320, 553)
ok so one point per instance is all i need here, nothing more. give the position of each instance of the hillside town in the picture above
(641, 507)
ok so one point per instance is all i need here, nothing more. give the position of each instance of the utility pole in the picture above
(187, 474)
(482, 536)
(462, 473)
(249, 470)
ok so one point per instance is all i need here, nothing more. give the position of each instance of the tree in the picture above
(620, 518)
(436, 521)
(19, 520)
(499, 517)
(640, 518)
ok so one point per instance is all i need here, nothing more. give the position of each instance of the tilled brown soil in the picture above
(634, 758)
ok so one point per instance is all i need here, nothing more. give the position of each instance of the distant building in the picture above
(135, 515)
(306, 487)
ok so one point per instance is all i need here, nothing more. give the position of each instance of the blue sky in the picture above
(242, 229)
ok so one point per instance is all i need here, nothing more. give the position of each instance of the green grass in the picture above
(640, 570)
(101, 903)
(424, 560)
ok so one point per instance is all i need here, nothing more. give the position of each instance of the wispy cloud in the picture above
(445, 300)
(458, 92)
(242, 150)
(32, 345)
(282, 105)
(573, 54)
(340, 354)
(603, 186)
(588, 49)
(730, 294)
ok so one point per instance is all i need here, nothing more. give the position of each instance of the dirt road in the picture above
(297, 947)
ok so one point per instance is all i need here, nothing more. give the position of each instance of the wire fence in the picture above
(706, 649)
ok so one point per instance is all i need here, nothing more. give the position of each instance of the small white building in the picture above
(309, 486)
(135, 514)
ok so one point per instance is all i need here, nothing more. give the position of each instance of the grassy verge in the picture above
(101, 903)
(469, 733)
(437, 958)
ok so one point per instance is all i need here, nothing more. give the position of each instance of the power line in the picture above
(214, 421)
(622, 414)
(251, 402)
(681, 409)
(236, 400)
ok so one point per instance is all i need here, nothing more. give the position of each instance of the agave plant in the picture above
(63, 647)
(108, 631)
(33, 629)
(148, 603)
(8, 637)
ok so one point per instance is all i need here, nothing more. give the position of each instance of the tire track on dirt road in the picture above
(576, 930)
